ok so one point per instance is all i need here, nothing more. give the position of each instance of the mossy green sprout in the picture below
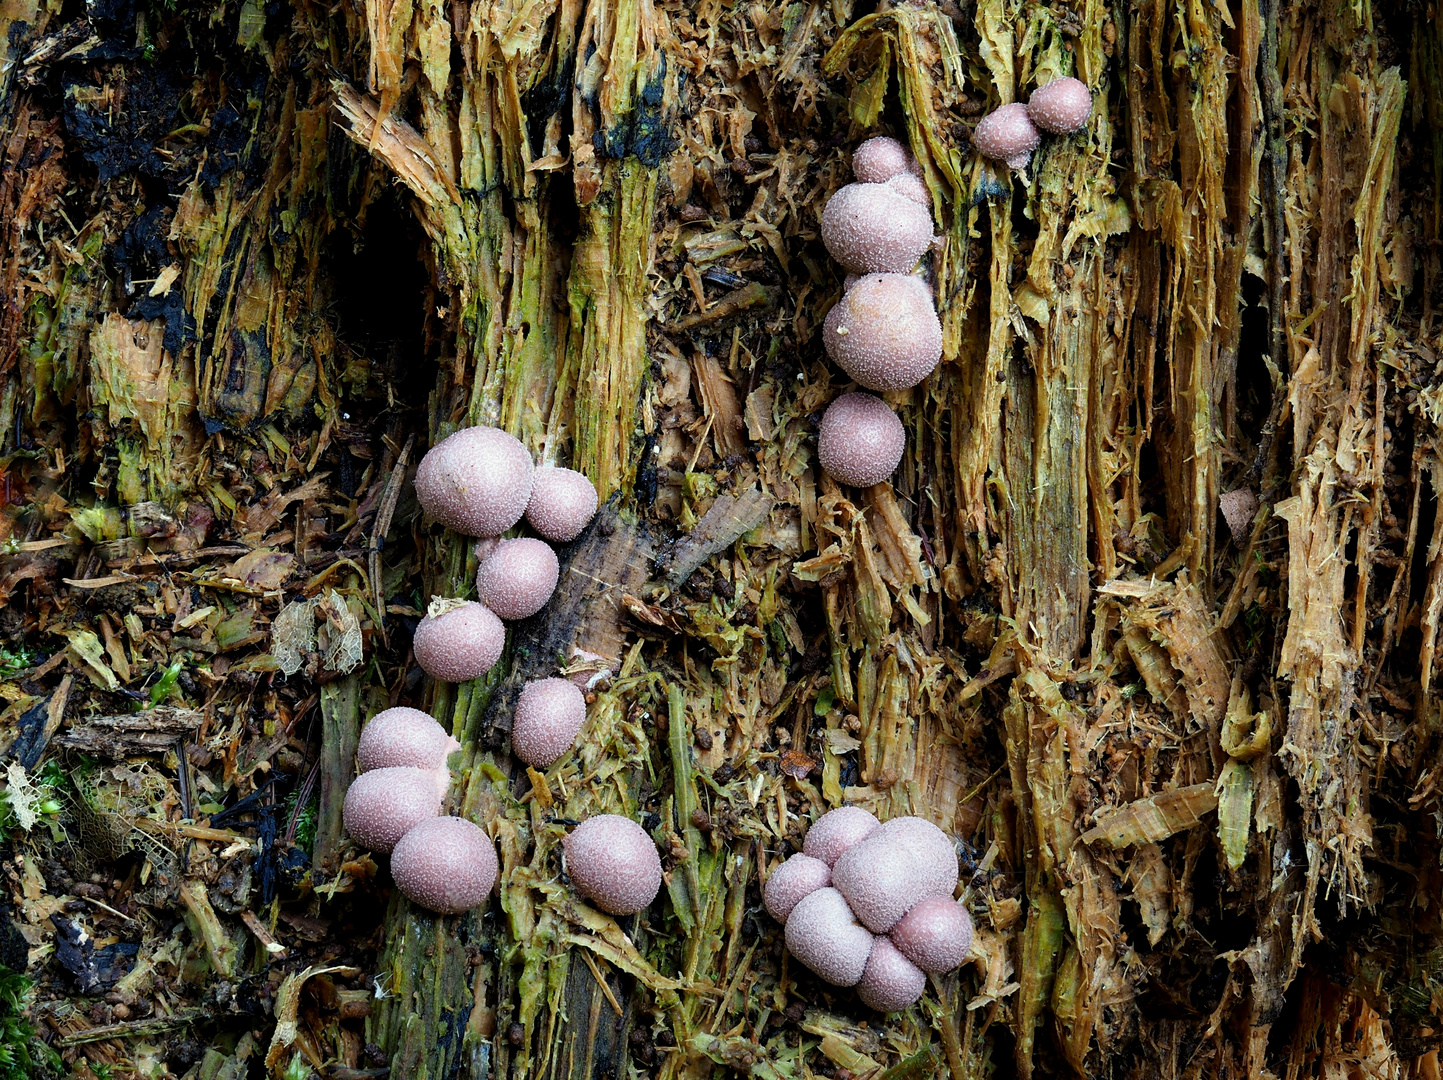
(305, 834)
(14, 661)
(165, 685)
(22, 1055)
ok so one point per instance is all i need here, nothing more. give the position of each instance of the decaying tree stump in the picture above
(1147, 618)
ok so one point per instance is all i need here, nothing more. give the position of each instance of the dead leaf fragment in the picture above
(86, 652)
(23, 796)
(796, 764)
(165, 280)
(1238, 507)
(288, 1006)
(340, 635)
(1235, 810)
(264, 568)
(293, 635)
(1155, 818)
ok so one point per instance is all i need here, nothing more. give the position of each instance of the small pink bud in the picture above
(890, 981)
(1061, 107)
(477, 481)
(935, 934)
(403, 736)
(518, 577)
(837, 830)
(880, 879)
(382, 805)
(861, 440)
(824, 935)
(934, 850)
(460, 643)
(911, 187)
(790, 883)
(446, 864)
(884, 331)
(881, 158)
(563, 502)
(613, 863)
(549, 713)
(1007, 134)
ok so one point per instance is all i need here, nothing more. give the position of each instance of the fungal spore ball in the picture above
(873, 228)
(549, 714)
(1007, 134)
(563, 502)
(382, 805)
(890, 981)
(861, 440)
(403, 736)
(884, 332)
(517, 579)
(613, 863)
(445, 864)
(933, 850)
(797, 878)
(935, 934)
(910, 186)
(880, 158)
(880, 880)
(824, 935)
(476, 481)
(836, 831)
(458, 640)
(1061, 107)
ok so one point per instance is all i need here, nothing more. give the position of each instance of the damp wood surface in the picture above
(1148, 617)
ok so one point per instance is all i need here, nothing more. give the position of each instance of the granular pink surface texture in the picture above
(403, 736)
(797, 878)
(861, 440)
(613, 863)
(884, 332)
(879, 159)
(549, 714)
(518, 577)
(1007, 134)
(1061, 107)
(382, 805)
(935, 934)
(563, 502)
(872, 229)
(446, 864)
(823, 933)
(890, 981)
(837, 830)
(477, 481)
(461, 644)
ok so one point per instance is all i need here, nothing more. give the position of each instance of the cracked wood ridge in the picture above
(1147, 618)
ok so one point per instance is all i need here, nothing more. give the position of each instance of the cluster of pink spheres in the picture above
(870, 905)
(884, 332)
(446, 864)
(1012, 132)
(864, 904)
(480, 482)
